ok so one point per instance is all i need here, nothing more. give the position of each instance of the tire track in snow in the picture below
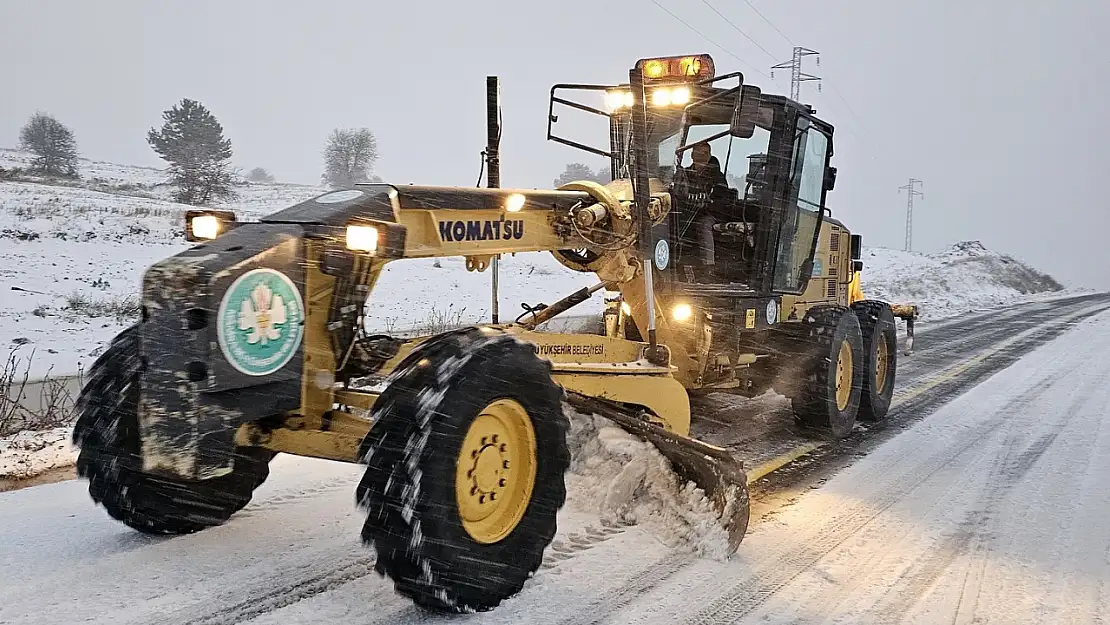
(598, 610)
(285, 593)
(288, 593)
(1012, 470)
(969, 537)
(786, 565)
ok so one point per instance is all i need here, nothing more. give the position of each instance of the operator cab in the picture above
(745, 222)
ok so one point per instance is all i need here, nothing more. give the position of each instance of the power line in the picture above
(909, 210)
(730, 23)
(703, 36)
(769, 23)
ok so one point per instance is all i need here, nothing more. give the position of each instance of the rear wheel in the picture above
(107, 433)
(465, 468)
(880, 358)
(832, 371)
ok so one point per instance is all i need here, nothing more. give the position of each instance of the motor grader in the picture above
(253, 342)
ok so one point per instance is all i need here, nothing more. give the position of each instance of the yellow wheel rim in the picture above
(496, 471)
(882, 361)
(843, 375)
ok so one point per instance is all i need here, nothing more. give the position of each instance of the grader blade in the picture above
(711, 468)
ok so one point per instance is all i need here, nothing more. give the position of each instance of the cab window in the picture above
(802, 218)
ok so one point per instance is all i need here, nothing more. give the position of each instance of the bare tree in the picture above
(349, 157)
(191, 141)
(53, 145)
(259, 174)
(578, 171)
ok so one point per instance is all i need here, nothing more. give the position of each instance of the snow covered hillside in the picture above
(965, 277)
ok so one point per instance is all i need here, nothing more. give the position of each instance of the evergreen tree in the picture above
(191, 141)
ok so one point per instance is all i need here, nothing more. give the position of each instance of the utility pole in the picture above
(797, 76)
(910, 192)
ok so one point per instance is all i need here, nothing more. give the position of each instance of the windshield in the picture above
(736, 157)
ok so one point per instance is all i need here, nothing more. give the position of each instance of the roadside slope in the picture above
(963, 278)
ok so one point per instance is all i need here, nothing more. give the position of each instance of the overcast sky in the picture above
(1000, 108)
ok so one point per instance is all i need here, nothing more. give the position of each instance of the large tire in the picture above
(415, 454)
(880, 358)
(107, 433)
(829, 394)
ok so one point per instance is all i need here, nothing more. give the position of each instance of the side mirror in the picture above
(744, 116)
(857, 247)
(830, 178)
(857, 266)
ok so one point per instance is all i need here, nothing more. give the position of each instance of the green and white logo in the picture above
(259, 324)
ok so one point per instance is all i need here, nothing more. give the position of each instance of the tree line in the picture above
(191, 141)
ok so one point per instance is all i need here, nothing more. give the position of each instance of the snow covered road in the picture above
(992, 509)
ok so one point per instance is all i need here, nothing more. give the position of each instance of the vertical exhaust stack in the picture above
(493, 160)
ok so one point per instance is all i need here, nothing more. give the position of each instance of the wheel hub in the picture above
(843, 375)
(496, 471)
(882, 361)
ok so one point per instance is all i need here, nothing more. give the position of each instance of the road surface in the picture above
(983, 503)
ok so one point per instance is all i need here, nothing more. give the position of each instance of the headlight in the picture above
(205, 225)
(514, 202)
(619, 99)
(665, 96)
(362, 238)
(682, 312)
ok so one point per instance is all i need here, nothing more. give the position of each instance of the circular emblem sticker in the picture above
(662, 254)
(259, 322)
(339, 196)
(772, 311)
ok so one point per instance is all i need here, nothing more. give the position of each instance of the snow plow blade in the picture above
(711, 468)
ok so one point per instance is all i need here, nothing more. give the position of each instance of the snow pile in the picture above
(30, 453)
(965, 277)
(628, 482)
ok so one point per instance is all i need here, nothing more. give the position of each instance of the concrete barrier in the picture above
(24, 402)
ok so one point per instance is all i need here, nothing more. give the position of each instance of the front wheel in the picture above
(107, 433)
(465, 470)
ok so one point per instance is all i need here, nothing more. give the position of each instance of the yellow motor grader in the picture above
(253, 343)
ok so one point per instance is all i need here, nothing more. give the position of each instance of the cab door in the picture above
(804, 210)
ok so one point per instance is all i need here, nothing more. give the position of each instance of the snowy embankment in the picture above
(964, 278)
(72, 257)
